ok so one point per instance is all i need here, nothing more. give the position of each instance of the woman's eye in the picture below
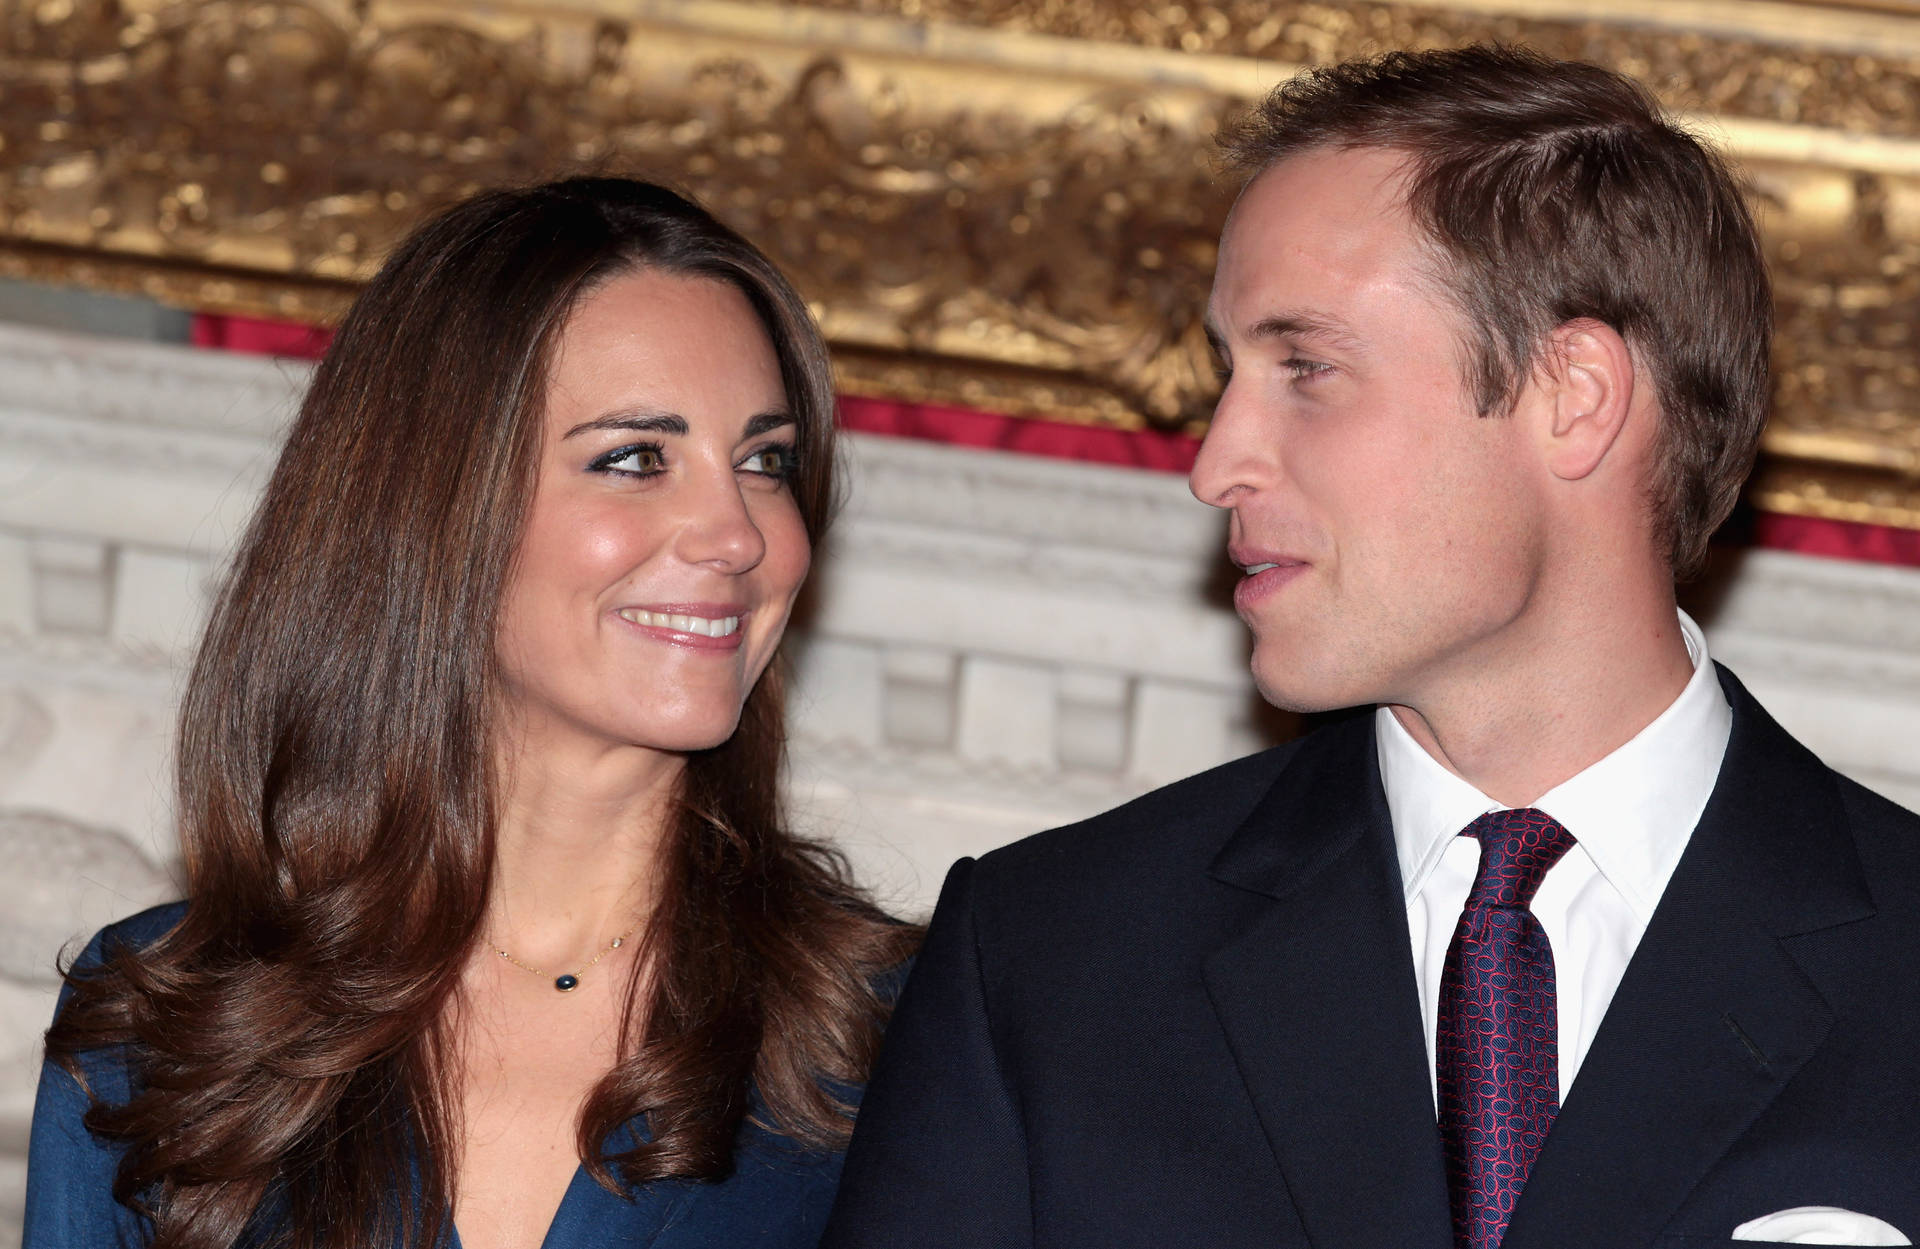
(643, 460)
(778, 460)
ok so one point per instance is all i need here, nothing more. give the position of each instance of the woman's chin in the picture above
(682, 736)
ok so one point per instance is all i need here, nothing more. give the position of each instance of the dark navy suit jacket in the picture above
(776, 1198)
(1193, 1021)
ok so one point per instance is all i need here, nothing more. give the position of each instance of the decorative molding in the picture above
(1844, 629)
(1804, 64)
(1135, 511)
(35, 436)
(105, 665)
(25, 728)
(990, 203)
(46, 854)
(67, 376)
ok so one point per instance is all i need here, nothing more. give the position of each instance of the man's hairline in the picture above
(1470, 337)
(1440, 281)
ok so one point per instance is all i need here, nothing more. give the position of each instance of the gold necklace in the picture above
(567, 982)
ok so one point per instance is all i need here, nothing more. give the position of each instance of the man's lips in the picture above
(1255, 559)
(696, 626)
(1263, 573)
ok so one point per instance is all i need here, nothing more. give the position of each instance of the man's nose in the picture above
(1235, 456)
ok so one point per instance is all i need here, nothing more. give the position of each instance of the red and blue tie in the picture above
(1498, 1051)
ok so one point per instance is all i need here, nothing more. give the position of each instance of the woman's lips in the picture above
(694, 626)
(1263, 578)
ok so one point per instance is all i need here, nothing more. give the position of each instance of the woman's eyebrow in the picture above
(767, 421)
(645, 422)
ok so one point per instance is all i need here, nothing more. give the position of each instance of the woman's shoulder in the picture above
(135, 932)
(70, 1171)
(104, 1073)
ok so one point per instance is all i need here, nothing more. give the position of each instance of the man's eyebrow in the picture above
(1308, 326)
(643, 422)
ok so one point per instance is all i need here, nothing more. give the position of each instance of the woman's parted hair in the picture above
(335, 784)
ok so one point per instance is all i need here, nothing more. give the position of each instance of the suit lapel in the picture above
(1713, 1016)
(1318, 1000)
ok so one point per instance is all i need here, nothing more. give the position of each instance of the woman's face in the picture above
(664, 547)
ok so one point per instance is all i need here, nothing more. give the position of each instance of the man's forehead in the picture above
(1302, 324)
(1309, 233)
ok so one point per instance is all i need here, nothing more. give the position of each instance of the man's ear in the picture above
(1589, 377)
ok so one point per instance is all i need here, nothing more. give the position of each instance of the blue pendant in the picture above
(566, 984)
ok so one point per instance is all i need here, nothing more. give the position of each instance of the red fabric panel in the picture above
(260, 337)
(1172, 453)
(1837, 539)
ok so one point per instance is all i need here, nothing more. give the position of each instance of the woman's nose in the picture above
(719, 529)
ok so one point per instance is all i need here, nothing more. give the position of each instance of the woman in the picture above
(491, 922)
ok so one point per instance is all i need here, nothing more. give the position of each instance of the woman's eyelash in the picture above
(780, 461)
(608, 461)
(785, 460)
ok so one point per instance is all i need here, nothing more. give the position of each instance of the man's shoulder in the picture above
(1156, 842)
(1868, 809)
(1878, 823)
(1887, 836)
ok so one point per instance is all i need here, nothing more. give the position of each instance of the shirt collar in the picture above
(1632, 811)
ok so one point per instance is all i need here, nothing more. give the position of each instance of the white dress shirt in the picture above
(1631, 814)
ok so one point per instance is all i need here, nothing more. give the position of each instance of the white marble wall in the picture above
(993, 644)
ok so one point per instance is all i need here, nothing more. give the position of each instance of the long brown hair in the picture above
(288, 1039)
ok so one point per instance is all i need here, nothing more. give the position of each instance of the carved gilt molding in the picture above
(994, 203)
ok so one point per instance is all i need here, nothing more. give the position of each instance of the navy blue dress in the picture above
(776, 1198)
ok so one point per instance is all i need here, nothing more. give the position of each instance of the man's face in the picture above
(1388, 531)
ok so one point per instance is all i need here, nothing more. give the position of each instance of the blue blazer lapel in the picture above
(776, 1197)
(1714, 1015)
(590, 1215)
(1318, 1000)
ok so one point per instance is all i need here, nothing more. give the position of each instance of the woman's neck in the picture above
(578, 837)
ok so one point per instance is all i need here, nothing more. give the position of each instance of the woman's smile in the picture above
(695, 626)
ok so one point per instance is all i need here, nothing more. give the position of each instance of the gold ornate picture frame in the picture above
(1003, 205)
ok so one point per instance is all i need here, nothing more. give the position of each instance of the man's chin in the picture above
(1291, 687)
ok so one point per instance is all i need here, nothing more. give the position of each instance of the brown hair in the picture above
(287, 1041)
(1555, 191)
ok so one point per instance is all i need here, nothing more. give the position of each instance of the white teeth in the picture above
(725, 626)
(1256, 569)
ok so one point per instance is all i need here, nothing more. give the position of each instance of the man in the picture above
(1565, 945)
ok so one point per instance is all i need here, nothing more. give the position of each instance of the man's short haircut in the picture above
(1555, 191)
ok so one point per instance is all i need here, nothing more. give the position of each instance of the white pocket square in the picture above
(1820, 1225)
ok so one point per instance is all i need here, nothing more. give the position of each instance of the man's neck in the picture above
(1560, 705)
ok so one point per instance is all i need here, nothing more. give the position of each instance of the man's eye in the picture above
(1299, 369)
(773, 461)
(643, 460)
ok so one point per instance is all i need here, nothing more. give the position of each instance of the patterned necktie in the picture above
(1498, 1051)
